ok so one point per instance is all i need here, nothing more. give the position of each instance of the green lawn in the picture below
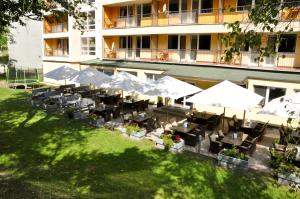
(48, 156)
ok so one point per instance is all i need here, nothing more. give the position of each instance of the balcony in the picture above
(56, 47)
(193, 17)
(53, 25)
(212, 57)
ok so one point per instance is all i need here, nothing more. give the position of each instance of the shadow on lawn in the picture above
(38, 146)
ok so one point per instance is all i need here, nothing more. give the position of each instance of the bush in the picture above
(235, 154)
(130, 129)
(168, 141)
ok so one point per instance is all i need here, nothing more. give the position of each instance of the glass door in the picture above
(138, 15)
(138, 46)
(182, 47)
(129, 47)
(193, 54)
(130, 17)
(184, 13)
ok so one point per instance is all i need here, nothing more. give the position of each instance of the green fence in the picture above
(24, 75)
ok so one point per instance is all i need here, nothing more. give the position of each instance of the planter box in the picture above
(232, 163)
(138, 135)
(177, 147)
(97, 123)
(291, 179)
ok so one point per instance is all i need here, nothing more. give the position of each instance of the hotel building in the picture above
(180, 38)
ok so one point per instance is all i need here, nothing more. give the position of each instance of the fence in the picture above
(23, 75)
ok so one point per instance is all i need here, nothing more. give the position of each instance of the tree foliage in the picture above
(266, 16)
(19, 10)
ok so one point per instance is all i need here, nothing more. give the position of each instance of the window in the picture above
(287, 43)
(146, 10)
(145, 42)
(276, 92)
(243, 47)
(108, 72)
(243, 5)
(173, 42)
(269, 93)
(174, 6)
(262, 91)
(204, 42)
(123, 42)
(153, 77)
(123, 11)
(195, 6)
(206, 6)
(130, 72)
(88, 46)
(89, 23)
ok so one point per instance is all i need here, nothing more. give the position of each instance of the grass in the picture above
(48, 156)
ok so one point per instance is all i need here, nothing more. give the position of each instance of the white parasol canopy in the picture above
(91, 76)
(127, 82)
(228, 95)
(286, 106)
(173, 88)
(61, 73)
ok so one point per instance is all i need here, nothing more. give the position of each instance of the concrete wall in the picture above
(27, 46)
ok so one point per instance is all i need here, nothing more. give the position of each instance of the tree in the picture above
(270, 16)
(19, 10)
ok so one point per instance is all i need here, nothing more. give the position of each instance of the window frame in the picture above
(199, 42)
(88, 50)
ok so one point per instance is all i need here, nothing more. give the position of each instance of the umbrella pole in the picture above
(223, 123)
(244, 117)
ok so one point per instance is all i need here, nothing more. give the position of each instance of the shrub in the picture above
(235, 154)
(130, 129)
(168, 141)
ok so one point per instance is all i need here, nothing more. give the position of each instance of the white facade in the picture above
(26, 49)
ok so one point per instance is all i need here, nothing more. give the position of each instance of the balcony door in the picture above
(194, 47)
(129, 47)
(138, 15)
(130, 17)
(184, 14)
(182, 47)
(138, 47)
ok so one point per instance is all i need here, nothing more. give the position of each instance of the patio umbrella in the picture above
(127, 82)
(91, 76)
(286, 106)
(172, 88)
(228, 95)
(61, 73)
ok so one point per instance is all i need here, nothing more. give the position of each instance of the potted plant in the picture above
(167, 141)
(232, 158)
(70, 112)
(178, 144)
(95, 120)
(135, 132)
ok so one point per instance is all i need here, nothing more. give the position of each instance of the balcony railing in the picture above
(56, 28)
(205, 16)
(199, 56)
(51, 52)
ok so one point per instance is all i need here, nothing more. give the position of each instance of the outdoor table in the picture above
(186, 130)
(246, 129)
(228, 139)
(139, 119)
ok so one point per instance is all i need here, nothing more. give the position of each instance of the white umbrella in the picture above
(286, 106)
(172, 88)
(91, 76)
(61, 73)
(227, 94)
(127, 82)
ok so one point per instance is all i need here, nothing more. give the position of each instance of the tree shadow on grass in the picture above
(52, 157)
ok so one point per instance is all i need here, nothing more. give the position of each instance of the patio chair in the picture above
(146, 104)
(248, 146)
(116, 112)
(259, 131)
(215, 146)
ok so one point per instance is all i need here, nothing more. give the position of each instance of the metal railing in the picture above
(56, 28)
(202, 16)
(199, 56)
(58, 52)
